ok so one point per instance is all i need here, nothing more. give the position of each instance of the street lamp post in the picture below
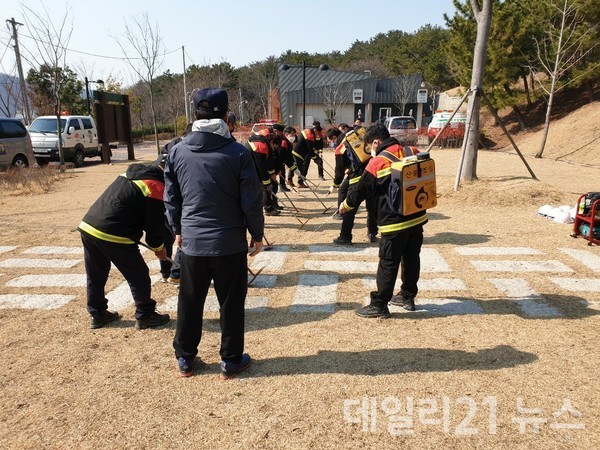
(321, 67)
(87, 93)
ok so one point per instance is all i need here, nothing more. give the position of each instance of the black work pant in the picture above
(230, 276)
(403, 249)
(349, 216)
(98, 255)
(319, 162)
(300, 165)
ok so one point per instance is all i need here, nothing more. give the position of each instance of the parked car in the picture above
(454, 133)
(403, 128)
(79, 139)
(263, 125)
(15, 144)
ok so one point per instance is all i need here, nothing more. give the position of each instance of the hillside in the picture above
(574, 134)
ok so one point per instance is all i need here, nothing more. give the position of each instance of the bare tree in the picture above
(334, 96)
(147, 43)
(483, 15)
(403, 91)
(51, 39)
(558, 53)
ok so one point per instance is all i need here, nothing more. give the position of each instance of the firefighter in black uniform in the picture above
(285, 157)
(111, 231)
(262, 155)
(318, 148)
(302, 152)
(347, 162)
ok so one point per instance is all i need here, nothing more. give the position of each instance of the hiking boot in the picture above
(278, 207)
(373, 237)
(186, 366)
(302, 185)
(272, 212)
(321, 177)
(99, 320)
(151, 320)
(174, 281)
(371, 312)
(230, 370)
(284, 188)
(342, 241)
(291, 183)
(408, 303)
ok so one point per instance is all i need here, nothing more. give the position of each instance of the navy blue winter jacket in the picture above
(213, 195)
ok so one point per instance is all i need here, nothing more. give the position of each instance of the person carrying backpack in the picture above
(401, 236)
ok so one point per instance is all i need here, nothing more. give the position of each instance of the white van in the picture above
(79, 139)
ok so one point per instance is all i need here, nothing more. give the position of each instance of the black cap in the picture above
(278, 127)
(211, 100)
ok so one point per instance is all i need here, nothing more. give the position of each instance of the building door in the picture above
(384, 113)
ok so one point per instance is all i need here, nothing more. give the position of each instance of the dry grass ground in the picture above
(65, 386)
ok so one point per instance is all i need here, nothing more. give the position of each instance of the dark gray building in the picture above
(337, 96)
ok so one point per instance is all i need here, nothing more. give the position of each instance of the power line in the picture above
(123, 58)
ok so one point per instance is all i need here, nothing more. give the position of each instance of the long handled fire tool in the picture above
(254, 274)
(268, 246)
(316, 229)
(306, 181)
(302, 223)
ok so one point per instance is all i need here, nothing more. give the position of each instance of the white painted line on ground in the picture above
(315, 293)
(272, 259)
(44, 250)
(444, 306)
(341, 266)
(263, 281)
(520, 266)
(519, 291)
(577, 284)
(337, 250)
(35, 263)
(254, 304)
(432, 261)
(153, 264)
(56, 280)
(586, 258)
(34, 301)
(7, 248)
(496, 251)
(433, 284)
(120, 297)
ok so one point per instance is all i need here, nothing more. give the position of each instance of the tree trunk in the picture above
(526, 87)
(468, 171)
(154, 119)
(546, 121)
(590, 90)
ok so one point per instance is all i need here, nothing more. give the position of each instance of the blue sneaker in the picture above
(230, 370)
(186, 366)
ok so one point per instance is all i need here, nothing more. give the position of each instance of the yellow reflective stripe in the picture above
(104, 236)
(252, 146)
(384, 172)
(336, 185)
(354, 180)
(294, 167)
(296, 154)
(402, 225)
(142, 186)
(346, 205)
(266, 183)
(271, 172)
(158, 248)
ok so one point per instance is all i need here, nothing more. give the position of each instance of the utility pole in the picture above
(185, 102)
(14, 24)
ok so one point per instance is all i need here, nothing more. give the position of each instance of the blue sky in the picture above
(236, 31)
